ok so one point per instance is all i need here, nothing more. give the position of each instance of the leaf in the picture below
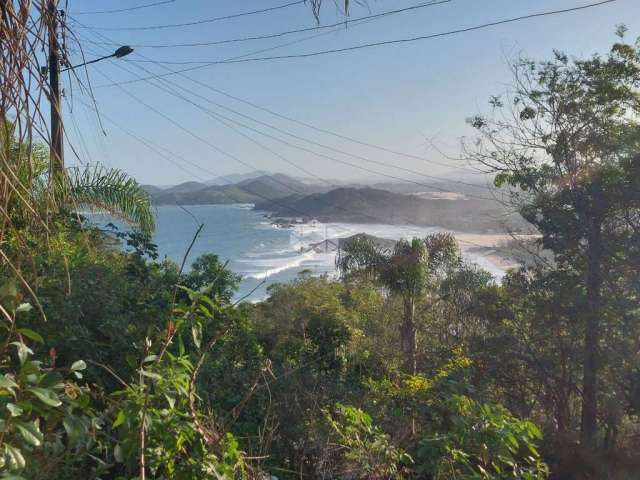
(15, 456)
(8, 290)
(196, 332)
(24, 307)
(149, 374)
(78, 365)
(120, 419)
(7, 383)
(534, 430)
(74, 427)
(30, 334)
(30, 432)
(113, 191)
(23, 351)
(51, 380)
(46, 396)
(15, 410)
(150, 358)
(117, 454)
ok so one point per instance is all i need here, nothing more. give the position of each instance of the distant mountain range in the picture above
(285, 198)
(248, 188)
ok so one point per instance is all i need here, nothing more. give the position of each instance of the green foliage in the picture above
(365, 450)
(45, 416)
(568, 151)
(486, 442)
(207, 270)
(114, 364)
(111, 191)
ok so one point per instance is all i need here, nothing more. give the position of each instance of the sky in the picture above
(411, 97)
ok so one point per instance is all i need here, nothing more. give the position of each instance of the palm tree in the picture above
(25, 193)
(410, 270)
(111, 190)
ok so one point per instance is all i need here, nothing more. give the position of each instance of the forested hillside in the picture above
(371, 205)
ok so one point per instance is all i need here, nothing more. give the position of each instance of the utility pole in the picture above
(56, 159)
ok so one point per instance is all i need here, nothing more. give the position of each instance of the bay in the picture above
(264, 254)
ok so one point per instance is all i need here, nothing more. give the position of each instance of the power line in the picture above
(203, 64)
(128, 9)
(215, 115)
(312, 142)
(244, 55)
(154, 147)
(287, 133)
(200, 22)
(359, 22)
(288, 32)
(246, 164)
(312, 127)
(267, 110)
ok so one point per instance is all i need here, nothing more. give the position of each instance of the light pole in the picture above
(56, 159)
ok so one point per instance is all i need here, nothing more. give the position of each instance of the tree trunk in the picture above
(589, 424)
(408, 336)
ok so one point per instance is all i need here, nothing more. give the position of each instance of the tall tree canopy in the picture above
(567, 142)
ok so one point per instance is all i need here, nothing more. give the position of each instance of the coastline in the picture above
(264, 252)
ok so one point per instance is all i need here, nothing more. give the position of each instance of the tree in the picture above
(568, 146)
(408, 271)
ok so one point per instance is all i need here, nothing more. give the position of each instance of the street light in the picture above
(119, 53)
(57, 143)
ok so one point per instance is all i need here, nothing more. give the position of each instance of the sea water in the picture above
(263, 253)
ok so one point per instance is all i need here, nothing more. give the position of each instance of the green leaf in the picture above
(149, 374)
(78, 365)
(8, 290)
(46, 396)
(16, 460)
(74, 427)
(150, 358)
(51, 380)
(30, 334)
(7, 383)
(15, 410)
(30, 432)
(113, 191)
(120, 419)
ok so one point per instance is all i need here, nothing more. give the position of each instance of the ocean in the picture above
(263, 253)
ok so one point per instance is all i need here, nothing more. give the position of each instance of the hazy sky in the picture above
(396, 96)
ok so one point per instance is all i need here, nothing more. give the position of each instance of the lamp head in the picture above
(123, 51)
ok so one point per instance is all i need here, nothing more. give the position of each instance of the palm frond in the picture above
(360, 253)
(112, 191)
